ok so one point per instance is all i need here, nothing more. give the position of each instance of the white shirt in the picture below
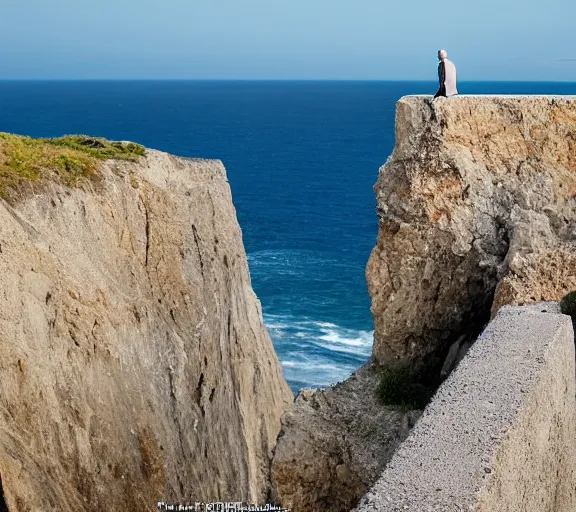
(450, 78)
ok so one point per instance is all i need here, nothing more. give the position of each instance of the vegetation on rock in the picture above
(403, 388)
(68, 160)
(98, 147)
(568, 305)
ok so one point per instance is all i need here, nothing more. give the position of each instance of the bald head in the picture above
(442, 54)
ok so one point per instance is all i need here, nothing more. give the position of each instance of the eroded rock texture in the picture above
(134, 365)
(477, 209)
(334, 444)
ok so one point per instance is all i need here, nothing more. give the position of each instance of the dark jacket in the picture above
(442, 79)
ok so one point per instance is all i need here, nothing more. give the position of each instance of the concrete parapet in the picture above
(500, 434)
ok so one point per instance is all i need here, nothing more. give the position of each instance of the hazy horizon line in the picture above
(399, 80)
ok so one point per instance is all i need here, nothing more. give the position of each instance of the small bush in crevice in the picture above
(402, 388)
(568, 305)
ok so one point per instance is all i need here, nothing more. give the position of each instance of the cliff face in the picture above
(134, 365)
(477, 209)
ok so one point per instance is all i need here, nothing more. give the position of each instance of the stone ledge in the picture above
(500, 433)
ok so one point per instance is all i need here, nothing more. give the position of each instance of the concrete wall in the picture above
(500, 433)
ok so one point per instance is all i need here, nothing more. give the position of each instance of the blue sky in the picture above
(287, 39)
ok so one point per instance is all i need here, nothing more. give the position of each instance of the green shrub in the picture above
(568, 305)
(402, 388)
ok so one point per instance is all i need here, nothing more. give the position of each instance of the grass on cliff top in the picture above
(68, 160)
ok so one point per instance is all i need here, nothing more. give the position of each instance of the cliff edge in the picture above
(133, 360)
(477, 209)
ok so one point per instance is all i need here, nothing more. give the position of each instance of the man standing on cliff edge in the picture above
(446, 75)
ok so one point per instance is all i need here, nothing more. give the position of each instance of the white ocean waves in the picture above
(315, 353)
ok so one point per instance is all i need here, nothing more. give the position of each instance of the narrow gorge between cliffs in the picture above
(136, 365)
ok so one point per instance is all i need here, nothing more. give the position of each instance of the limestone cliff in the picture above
(477, 208)
(477, 202)
(134, 365)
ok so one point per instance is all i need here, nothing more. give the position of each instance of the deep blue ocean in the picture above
(301, 157)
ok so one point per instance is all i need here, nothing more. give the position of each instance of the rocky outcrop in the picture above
(477, 209)
(334, 444)
(134, 365)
